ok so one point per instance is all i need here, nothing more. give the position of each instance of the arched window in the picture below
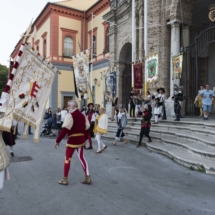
(44, 48)
(107, 40)
(94, 46)
(37, 48)
(68, 46)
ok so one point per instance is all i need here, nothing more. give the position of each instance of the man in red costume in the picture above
(75, 125)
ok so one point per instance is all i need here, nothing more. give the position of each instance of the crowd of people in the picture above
(205, 101)
(156, 100)
(91, 121)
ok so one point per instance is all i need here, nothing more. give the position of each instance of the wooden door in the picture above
(66, 99)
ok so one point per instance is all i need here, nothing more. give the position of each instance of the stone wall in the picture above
(160, 13)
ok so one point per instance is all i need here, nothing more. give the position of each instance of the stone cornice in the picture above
(119, 12)
(98, 8)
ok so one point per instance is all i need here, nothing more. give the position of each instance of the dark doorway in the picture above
(125, 78)
(126, 85)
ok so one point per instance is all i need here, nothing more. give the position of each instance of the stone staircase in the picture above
(190, 143)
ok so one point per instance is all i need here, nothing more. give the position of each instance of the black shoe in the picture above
(18, 134)
(30, 133)
(84, 147)
(89, 147)
(177, 120)
(12, 154)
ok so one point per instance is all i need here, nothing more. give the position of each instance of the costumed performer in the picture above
(100, 128)
(9, 137)
(198, 100)
(157, 110)
(121, 121)
(146, 124)
(162, 98)
(75, 125)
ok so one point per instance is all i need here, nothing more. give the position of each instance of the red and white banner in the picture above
(27, 90)
(138, 76)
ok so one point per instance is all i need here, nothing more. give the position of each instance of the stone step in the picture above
(183, 122)
(194, 137)
(184, 158)
(192, 128)
(192, 146)
(178, 154)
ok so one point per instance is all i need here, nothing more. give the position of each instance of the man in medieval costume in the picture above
(162, 97)
(100, 128)
(75, 126)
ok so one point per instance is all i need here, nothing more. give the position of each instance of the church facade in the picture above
(174, 27)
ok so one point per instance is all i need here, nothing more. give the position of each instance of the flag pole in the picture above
(91, 66)
(145, 40)
(133, 40)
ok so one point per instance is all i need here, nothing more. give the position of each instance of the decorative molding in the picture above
(69, 31)
(94, 30)
(44, 35)
(37, 42)
(98, 8)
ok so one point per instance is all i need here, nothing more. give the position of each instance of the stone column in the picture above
(186, 42)
(141, 29)
(113, 45)
(175, 49)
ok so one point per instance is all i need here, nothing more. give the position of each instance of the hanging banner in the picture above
(110, 83)
(28, 87)
(138, 76)
(81, 71)
(152, 67)
(177, 62)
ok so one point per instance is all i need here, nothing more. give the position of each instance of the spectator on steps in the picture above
(63, 114)
(207, 99)
(198, 100)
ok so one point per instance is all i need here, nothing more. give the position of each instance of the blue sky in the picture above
(15, 18)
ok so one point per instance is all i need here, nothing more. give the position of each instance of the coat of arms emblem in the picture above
(211, 14)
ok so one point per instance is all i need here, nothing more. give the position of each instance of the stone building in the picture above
(173, 25)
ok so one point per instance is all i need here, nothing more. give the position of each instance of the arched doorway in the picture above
(199, 57)
(125, 78)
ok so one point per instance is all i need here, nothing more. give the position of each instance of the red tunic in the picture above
(146, 120)
(76, 135)
(89, 116)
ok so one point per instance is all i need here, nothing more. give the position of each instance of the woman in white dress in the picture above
(100, 128)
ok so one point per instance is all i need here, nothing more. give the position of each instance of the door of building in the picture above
(195, 67)
(66, 99)
(126, 85)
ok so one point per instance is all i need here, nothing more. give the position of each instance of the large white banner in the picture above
(81, 70)
(29, 91)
